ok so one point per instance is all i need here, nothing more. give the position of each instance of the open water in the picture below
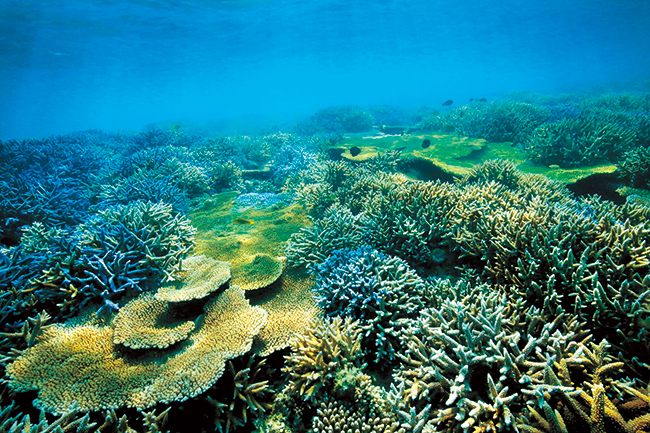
(68, 65)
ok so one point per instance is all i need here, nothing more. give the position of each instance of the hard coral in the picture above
(319, 353)
(378, 290)
(198, 277)
(80, 364)
(147, 322)
(291, 307)
(261, 272)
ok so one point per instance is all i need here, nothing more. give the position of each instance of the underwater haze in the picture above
(68, 65)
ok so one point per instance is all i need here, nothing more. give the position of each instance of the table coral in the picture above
(80, 364)
(147, 322)
(198, 277)
(261, 272)
(291, 307)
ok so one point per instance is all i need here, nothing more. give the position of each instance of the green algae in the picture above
(454, 156)
(220, 237)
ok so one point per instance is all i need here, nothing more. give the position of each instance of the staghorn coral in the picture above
(261, 272)
(335, 415)
(319, 353)
(578, 142)
(526, 185)
(144, 188)
(291, 307)
(70, 421)
(148, 322)
(596, 406)
(122, 250)
(475, 361)
(378, 290)
(338, 228)
(411, 221)
(634, 167)
(242, 395)
(583, 256)
(80, 363)
(197, 278)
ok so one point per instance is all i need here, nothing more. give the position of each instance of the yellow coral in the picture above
(199, 276)
(291, 306)
(81, 363)
(262, 271)
(146, 322)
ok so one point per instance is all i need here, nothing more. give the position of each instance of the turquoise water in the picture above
(323, 217)
(67, 65)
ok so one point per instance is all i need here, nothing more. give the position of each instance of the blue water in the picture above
(67, 65)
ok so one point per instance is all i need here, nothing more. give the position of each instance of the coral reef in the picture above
(429, 284)
(197, 278)
(79, 364)
(147, 322)
(261, 272)
(378, 290)
(291, 307)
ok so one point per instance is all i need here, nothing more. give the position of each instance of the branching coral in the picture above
(243, 394)
(576, 255)
(126, 248)
(477, 361)
(411, 221)
(496, 122)
(578, 142)
(378, 290)
(71, 422)
(338, 229)
(634, 167)
(319, 353)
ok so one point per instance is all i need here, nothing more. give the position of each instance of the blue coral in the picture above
(378, 289)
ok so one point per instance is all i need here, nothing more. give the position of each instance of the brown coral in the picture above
(319, 353)
(199, 276)
(261, 272)
(147, 322)
(80, 364)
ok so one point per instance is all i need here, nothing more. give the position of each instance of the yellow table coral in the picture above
(81, 364)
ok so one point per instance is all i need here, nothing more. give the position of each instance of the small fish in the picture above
(482, 100)
(447, 103)
(426, 143)
(471, 99)
(354, 151)
(176, 128)
(243, 221)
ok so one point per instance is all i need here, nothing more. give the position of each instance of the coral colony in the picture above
(335, 277)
